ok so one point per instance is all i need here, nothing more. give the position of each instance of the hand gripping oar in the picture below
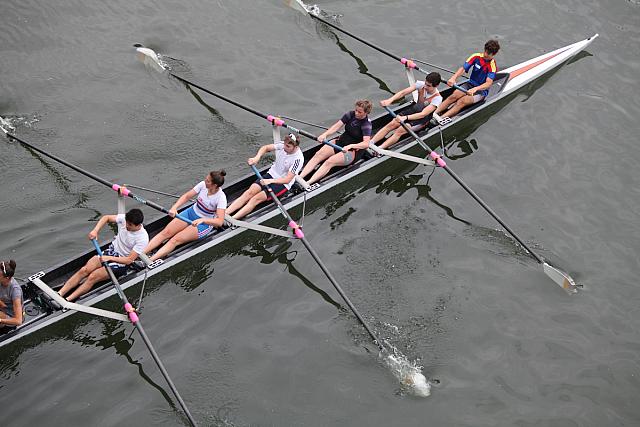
(149, 56)
(563, 279)
(300, 235)
(122, 190)
(300, 6)
(133, 317)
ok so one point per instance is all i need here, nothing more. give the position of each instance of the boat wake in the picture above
(9, 124)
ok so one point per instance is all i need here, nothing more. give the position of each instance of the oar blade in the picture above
(297, 5)
(5, 126)
(149, 58)
(565, 281)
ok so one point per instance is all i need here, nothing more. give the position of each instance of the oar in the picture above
(120, 189)
(563, 279)
(133, 317)
(300, 235)
(409, 376)
(148, 56)
(301, 7)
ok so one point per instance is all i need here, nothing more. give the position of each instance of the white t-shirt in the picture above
(206, 205)
(286, 163)
(434, 98)
(127, 241)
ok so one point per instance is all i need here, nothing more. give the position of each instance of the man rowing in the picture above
(205, 214)
(483, 71)
(354, 142)
(281, 175)
(130, 241)
(11, 301)
(418, 115)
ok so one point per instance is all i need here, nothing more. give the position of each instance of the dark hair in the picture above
(492, 47)
(365, 104)
(8, 268)
(134, 216)
(433, 78)
(289, 140)
(217, 177)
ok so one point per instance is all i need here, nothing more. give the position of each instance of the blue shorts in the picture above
(118, 269)
(203, 229)
(278, 189)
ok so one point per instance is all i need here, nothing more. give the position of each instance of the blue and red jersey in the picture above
(481, 69)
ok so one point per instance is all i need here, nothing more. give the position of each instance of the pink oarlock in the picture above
(276, 121)
(436, 157)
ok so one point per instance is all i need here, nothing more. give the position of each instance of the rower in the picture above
(281, 175)
(11, 301)
(122, 252)
(354, 142)
(418, 115)
(483, 71)
(205, 214)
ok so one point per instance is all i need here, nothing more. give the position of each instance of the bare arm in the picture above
(261, 152)
(121, 259)
(360, 145)
(486, 85)
(333, 129)
(16, 320)
(453, 78)
(181, 201)
(216, 222)
(397, 95)
(93, 234)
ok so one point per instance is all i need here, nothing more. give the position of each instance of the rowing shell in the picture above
(42, 309)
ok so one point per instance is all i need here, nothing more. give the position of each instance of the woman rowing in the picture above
(205, 214)
(11, 301)
(280, 177)
(354, 141)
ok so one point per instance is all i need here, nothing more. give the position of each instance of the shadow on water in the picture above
(62, 182)
(324, 30)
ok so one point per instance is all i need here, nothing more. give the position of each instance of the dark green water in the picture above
(250, 331)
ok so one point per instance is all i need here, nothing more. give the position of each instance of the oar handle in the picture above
(334, 146)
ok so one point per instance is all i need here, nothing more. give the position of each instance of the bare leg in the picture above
(331, 162)
(96, 276)
(186, 235)
(251, 205)
(323, 154)
(243, 199)
(462, 102)
(394, 138)
(174, 227)
(91, 265)
(450, 100)
(382, 133)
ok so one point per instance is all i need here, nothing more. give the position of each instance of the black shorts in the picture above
(344, 140)
(278, 189)
(415, 109)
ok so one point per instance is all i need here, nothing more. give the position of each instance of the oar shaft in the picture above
(136, 322)
(317, 259)
(378, 48)
(436, 157)
(272, 119)
(122, 190)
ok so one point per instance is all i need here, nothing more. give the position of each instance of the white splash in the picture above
(408, 373)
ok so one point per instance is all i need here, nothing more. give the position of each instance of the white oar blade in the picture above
(562, 279)
(297, 5)
(149, 58)
(5, 126)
